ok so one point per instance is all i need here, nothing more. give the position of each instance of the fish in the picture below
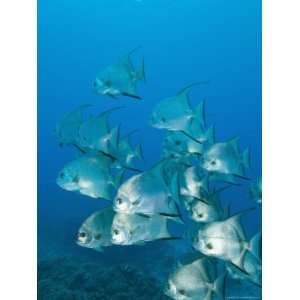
(120, 79)
(95, 232)
(255, 190)
(175, 114)
(207, 208)
(136, 229)
(176, 144)
(124, 152)
(148, 193)
(205, 211)
(67, 129)
(195, 280)
(194, 183)
(224, 161)
(174, 166)
(95, 135)
(252, 269)
(179, 143)
(90, 175)
(226, 240)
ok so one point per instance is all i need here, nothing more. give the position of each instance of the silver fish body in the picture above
(226, 240)
(225, 159)
(134, 229)
(252, 269)
(146, 193)
(204, 212)
(193, 183)
(255, 190)
(95, 232)
(119, 79)
(194, 281)
(222, 239)
(96, 135)
(89, 175)
(67, 129)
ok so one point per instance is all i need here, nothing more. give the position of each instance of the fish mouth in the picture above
(81, 243)
(155, 124)
(70, 187)
(124, 210)
(116, 241)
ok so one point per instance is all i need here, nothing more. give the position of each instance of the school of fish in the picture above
(183, 188)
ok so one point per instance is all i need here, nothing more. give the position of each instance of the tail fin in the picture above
(255, 245)
(219, 286)
(175, 188)
(114, 137)
(200, 113)
(246, 158)
(141, 72)
(118, 178)
(210, 134)
(131, 96)
(187, 89)
(241, 213)
(138, 152)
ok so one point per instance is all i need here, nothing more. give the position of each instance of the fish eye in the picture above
(119, 200)
(200, 215)
(98, 236)
(108, 83)
(213, 162)
(209, 246)
(62, 175)
(163, 119)
(177, 142)
(181, 292)
(82, 234)
(116, 231)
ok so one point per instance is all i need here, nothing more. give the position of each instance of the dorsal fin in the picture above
(199, 113)
(234, 143)
(237, 215)
(234, 219)
(187, 89)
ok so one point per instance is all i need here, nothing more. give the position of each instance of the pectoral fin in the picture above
(131, 95)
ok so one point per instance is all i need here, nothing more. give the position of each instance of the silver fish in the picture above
(95, 232)
(255, 190)
(224, 160)
(179, 143)
(89, 175)
(193, 183)
(194, 281)
(252, 269)
(67, 129)
(96, 135)
(148, 193)
(119, 79)
(225, 240)
(207, 208)
(176, 114)
(133, 229)
(205, 212)
(125, 153)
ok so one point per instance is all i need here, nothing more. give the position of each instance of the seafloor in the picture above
(119, 273)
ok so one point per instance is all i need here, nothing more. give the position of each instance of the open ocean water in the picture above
(182, 42)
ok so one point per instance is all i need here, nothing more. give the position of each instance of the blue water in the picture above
(182, 42)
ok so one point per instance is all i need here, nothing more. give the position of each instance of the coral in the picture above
(68, 279)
